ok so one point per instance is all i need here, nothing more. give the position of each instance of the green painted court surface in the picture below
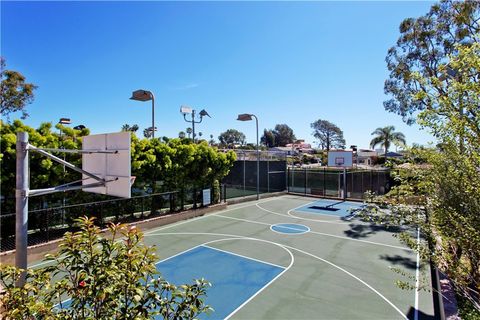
(330, 269)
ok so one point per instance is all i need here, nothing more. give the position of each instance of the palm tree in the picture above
(127, 127)
(211, 141)
(385, 137)
(189, 132)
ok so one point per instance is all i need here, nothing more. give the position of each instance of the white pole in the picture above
(258, 162)
(21, 202)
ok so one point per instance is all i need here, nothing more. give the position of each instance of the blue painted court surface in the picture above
(290, 228)
(234, 278)
(331, 207)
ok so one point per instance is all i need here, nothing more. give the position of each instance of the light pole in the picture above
(145, 95)
(248, 117)
(188, 110)
(63, 121)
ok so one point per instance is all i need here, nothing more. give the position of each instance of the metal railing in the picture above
(51, 223)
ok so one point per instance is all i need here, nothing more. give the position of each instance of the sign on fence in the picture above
(206, 197)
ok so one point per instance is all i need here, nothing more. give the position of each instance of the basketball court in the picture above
(273, 259)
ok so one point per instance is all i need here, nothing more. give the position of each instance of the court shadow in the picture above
(421, 315)
(358, 231)
(399, 260)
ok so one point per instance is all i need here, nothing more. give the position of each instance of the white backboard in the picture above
(340, 159)
(108, 166)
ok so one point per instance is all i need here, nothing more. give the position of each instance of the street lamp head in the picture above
(64, 121)
(185, 110)
(79, 127)
(204, 113)
(141, 95)
(244, 117)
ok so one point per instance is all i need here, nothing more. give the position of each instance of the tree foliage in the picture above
(111, 277)
(44, 171)
(159, 165)
(268, 138)
(283, 135)
(421, 52)
(385, 137)
(231, 137)
(446, 93)
(329, 135)
(178, 164)
(132, 128)
(15, 93)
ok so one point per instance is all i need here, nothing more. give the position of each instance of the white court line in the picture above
(292, 260)
(281, 225)
(175, 224)
(205, 216)
(242, 256)
(287, 247)
(177, 254)
(351, 275)
(323, 234)
(417, 276)
(288, 215)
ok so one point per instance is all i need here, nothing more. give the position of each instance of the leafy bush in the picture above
(111, 277)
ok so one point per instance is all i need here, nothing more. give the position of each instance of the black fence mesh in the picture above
(51, 223)
(242, 178)
(339, 184)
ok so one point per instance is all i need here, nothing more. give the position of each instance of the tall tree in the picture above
(385, 137)
(231, 137)
(283, 135)
(423, 50)
(15, 93)
(189, 132)
(434, 69)
(127, 127)
(268, 138)
(329, 135)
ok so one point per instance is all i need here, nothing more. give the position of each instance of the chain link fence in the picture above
(51, 223)
(242, 178)
(351, 184)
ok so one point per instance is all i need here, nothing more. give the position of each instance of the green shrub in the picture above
(105, 277)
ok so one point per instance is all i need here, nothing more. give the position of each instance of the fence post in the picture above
(293, 178)
(288, 180)
(194, 198)
(371, 181)
(21, 205)
(305, 181)
(268, 172)
(48, 225)
(244, 155)
(345, 189)
(324, 181)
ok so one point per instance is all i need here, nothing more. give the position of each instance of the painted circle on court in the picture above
(289, 228)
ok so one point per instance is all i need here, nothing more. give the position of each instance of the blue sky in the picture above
(286, 62)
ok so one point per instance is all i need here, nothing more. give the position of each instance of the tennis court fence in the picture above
(335, 183)
(242, 178)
